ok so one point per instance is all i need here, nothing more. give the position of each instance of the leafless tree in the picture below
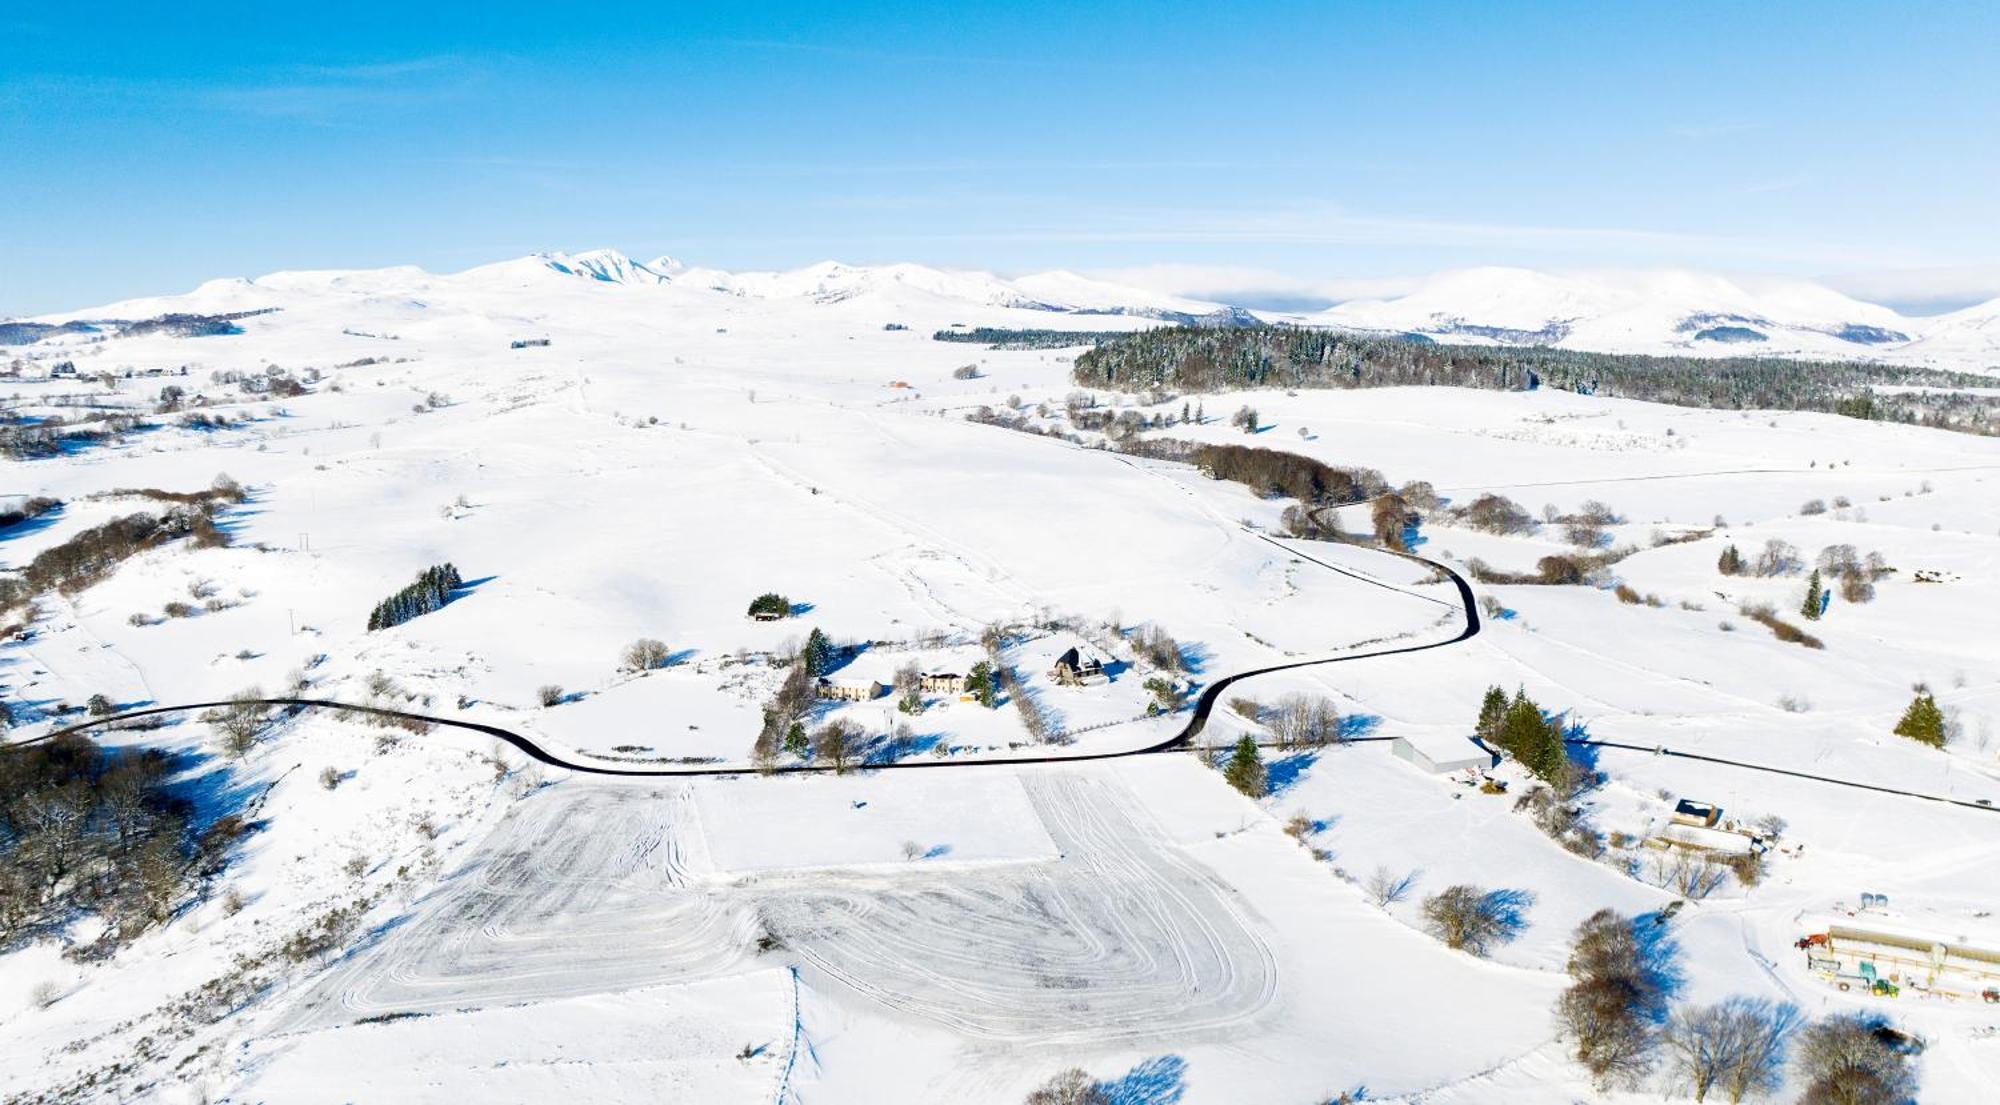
(239, 722)
(1776, 559)
(1847, 1059)
(1385, 888)
(1612, 1040)
(1474, 920)
(1736, 1047)
(1690, 874)
(1611, 1013)
(1305, 719)
(834, 744)
(909, 680)
(1390, 516)
(1071, 1087)
(549, 694)
(645, 654)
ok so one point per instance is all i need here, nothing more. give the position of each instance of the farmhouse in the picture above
(1443, 753)
(943, 682)
(850, 690)
(1077, 666)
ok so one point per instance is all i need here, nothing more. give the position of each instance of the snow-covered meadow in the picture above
(681, 446)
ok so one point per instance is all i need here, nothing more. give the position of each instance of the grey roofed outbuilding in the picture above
(1443, 753)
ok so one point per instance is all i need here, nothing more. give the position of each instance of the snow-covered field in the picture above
(684, 444)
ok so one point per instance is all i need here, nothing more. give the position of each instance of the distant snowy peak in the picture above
(1647, 311)
(608, 266)
(832, 282)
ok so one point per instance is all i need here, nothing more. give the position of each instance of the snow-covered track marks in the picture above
(577, 891)
(1120, 937)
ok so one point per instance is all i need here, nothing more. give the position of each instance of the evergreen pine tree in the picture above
(818, 653)
(1548, 757)
(1245, 770)
(981, 679)
(1815, 597)
(1519, 725)
(795, 741)
(1491, 712)
(1730, 562)
(1923, 722)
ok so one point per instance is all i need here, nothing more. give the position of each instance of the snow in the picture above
(691, 439)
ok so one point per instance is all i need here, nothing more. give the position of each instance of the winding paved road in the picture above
(1204, 705)
(1198, 721)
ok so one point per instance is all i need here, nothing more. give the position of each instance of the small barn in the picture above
(1443, 753)
(1701, 838)
(1077, 666)
(850, 690)
(1700, 814)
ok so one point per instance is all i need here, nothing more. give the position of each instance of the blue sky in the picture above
(1275, 149)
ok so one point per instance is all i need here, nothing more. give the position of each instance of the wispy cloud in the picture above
(1922, 290)
(322, 91)
(317, 93)
(1488, 242)
(1253, 285)
(940, 167)
(1332, 227)
(852, 53)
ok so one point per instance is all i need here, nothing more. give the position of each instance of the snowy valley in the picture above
(778, 698)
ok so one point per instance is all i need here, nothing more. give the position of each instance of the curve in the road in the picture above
(1204, 705)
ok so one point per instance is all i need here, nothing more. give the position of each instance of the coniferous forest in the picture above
(431, 591)
(1199, 359)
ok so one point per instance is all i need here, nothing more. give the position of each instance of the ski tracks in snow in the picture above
(586, 889)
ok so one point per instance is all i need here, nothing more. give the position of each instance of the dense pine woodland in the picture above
(430, 592)
(1005, 338)
(1200, 359)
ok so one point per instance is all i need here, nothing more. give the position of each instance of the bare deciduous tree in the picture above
(645, 654)
(239, 722)
(1385, 888)
(1613, 1041)
(1612, 1013)
(1474, 920)
(1736, 1047)
(1846, 1059)
(1305, 719)
(834, 744)
(1071, 1087)
(1689, 874)
(909, 680)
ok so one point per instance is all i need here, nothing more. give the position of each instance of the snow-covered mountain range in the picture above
(1657, 311)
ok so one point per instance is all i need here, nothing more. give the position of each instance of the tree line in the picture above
(1207, 359)
(93, 553)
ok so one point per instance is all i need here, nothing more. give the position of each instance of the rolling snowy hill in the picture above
(615, 451)
(1669, 312)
